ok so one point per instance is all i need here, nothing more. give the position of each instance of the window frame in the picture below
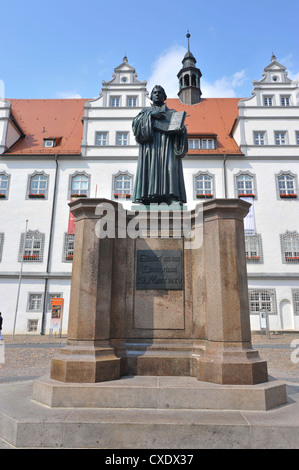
(293, 257)
(278, 138)
(6, 175)
(114, 181)
(257, 140)
(287, 195)
(73, 193)
(67, 257)
(29, 327)
(270, 103)
(33, 257)
(204, 142)
(132, 97)
(260, 291)
(2, 237)
(30, 194)
(192, 144)
(285, 97)
(295, 293)
(117, 99)
(203, 193)
(35, 310)
(122, 133)
(254, 185)
(53, 142)
(258, 257)
(101, 133)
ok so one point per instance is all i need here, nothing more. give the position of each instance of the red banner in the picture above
(71, 224)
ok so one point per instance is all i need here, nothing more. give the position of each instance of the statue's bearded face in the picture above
(158, 96)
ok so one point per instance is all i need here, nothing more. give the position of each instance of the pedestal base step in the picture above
(159, 393)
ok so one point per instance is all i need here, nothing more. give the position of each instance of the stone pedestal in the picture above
(146, 301)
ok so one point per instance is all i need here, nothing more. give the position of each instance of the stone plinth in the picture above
(147, 301)
(159, 393)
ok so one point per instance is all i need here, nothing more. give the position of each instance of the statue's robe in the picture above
(159, 175)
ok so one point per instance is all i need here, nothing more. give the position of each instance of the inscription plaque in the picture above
(159, 269)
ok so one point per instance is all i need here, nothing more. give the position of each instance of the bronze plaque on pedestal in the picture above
(159, 269)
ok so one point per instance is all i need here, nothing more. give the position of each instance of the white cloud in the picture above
(224, 87)
(64, 95)
(292, 68)
(165, 70)
(169, 63)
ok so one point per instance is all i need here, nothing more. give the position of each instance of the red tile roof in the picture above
(40, 119)
(62, 119)
(211, 116)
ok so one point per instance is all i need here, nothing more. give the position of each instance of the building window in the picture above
(245, 185)
(132, 101)
(101, 138)
(1, 245)
(38, 186)
(122, 138)
(34, 246)
(122, 185)
(68, 250)
(295, 293)
(32, 326)
(48, 143)
(79, 185)
(286, 185)
(253, 248)
(4, 185)
(203, 143)
(280, 138)
(297, 137)
(268, 100)
(203, 185)
(35, 302)
(194, 144)
(290, 247)
(115, 101)
(207, 144)
(259, 138)
(285, 100)
(262, 300)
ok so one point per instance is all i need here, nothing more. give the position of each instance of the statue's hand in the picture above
(161, 115)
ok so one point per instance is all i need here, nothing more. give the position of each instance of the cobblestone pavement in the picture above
(28, 357)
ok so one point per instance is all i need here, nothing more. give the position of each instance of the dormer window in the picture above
(49, 143)
(268, 100)
(202, 142)
(208, 144)
(132, 101)
(285, 100)
(115, 101)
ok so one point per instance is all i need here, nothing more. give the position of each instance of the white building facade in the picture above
(55, 150)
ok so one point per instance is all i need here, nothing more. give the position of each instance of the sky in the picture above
(66, 48)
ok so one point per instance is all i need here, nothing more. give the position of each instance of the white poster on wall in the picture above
(249, 223)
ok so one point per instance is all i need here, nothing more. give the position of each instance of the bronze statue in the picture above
(162, 139)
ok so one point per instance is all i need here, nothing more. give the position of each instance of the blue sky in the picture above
(64, 48)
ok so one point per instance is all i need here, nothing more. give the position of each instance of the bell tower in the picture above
(189, 79)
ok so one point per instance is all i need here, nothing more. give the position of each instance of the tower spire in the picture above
(188, 37)
(189, 78)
